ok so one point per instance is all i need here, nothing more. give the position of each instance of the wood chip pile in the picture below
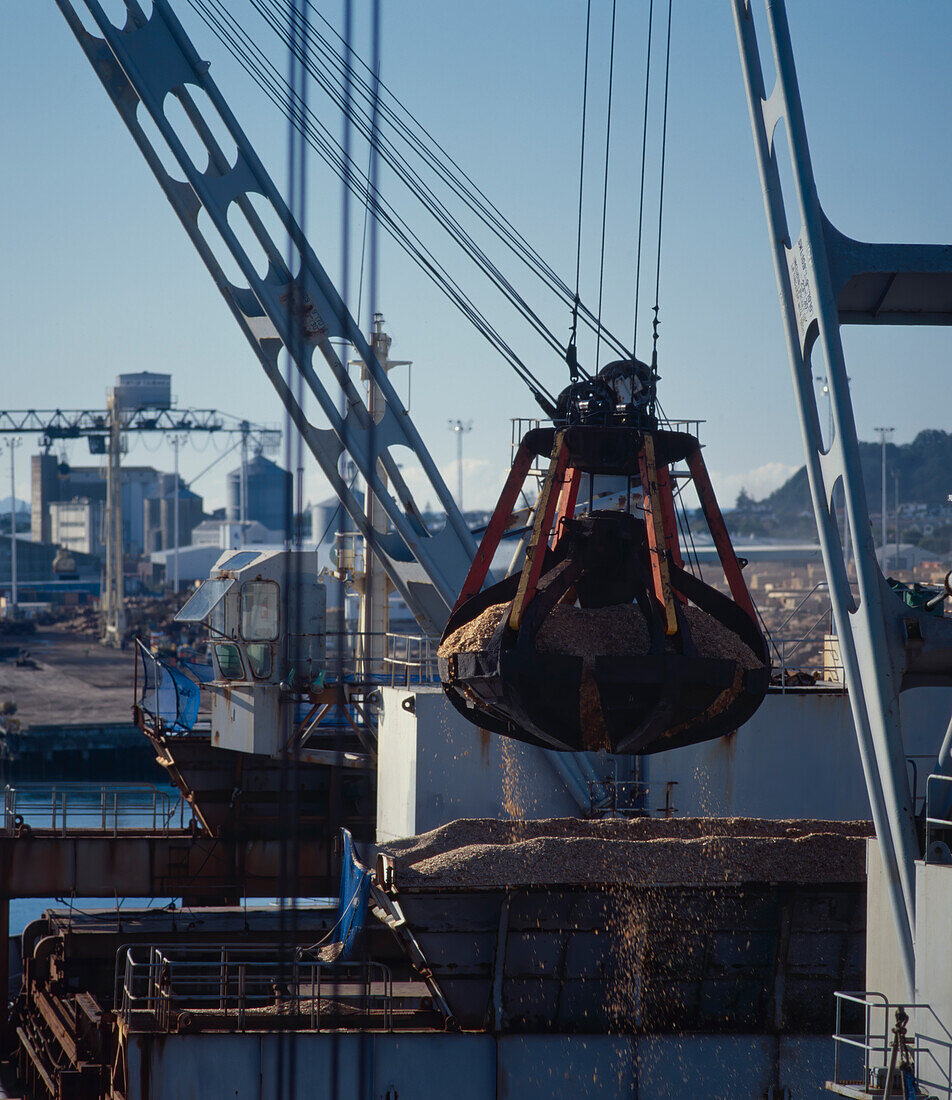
(620, 630)
(485, 852)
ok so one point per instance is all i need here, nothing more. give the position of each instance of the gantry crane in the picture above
(105, 430)
(294, 309)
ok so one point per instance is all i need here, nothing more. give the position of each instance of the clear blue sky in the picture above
(99, 277)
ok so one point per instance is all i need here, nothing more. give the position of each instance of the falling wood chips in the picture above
(484, 852)
(619, 631)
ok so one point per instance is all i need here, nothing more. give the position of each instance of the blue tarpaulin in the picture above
(352, 902)
(202, 671)
(165, 693)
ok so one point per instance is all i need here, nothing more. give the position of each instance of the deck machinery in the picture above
(300, 314)
(661, 690)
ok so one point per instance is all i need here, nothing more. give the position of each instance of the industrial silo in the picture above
(269, 490)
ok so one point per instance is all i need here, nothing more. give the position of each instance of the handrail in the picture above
(108, 808)
(813, 590)
(876, 1045)
(809, 632)
(418, 661)
(931, 819)
(784, 669)
(250, 987)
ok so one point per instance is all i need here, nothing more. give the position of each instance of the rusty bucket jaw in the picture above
(660, 694)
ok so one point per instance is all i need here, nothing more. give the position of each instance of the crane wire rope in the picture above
(426, 195)
(257, 66)
(656, 308)
(571, 354)
(419, 187)
(641, 197)
(263, 73)
(466, 185)
(608, 139)
(451, 174)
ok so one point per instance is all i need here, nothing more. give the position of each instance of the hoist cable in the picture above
(641, 198)
(581, 185)
(608, 140)
(426, 196)
(262, 71)
(432, 204)
(407, 135)
(656, 308)
(462, 184)
(393, 223)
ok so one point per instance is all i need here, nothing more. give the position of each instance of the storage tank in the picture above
(269, 494)
(159, 515)
(328, 518)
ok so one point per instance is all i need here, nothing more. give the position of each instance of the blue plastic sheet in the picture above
(204, 672)
(165, 693)
(352, 902)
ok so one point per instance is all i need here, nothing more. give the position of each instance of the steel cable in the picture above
(262, 72)
(449, 171)
(641, 198)
(431, 202)
(573, 363)
(656, 308)
(608, 140)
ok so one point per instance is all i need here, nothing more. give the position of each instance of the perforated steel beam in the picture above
(141, 65)
(827, 279)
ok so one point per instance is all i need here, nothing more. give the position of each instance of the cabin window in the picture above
(259, 611)
(216, 618)
(259, 658)
(229, 661)
(204, 601)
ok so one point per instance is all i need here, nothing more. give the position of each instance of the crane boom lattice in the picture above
(140, 65)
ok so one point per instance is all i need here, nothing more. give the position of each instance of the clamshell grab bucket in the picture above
(604, 640)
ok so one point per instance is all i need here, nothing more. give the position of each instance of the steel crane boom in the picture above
(142, 64)
(827, 280)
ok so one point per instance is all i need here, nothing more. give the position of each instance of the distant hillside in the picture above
(924, 467)
(925, 477)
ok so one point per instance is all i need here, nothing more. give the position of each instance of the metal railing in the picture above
(617, 797)
(828, 610)
(938, 792)
(88, 807)
(407, 658)
(522, 424)
(412, 659)
(793, 667)
(861, 1058)
(690, 425)
(238, 987)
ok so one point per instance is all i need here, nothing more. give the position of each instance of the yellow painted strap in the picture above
(541, 528)
(657, 544)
